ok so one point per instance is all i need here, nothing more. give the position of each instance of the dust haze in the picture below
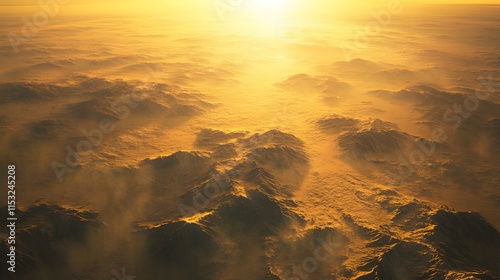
(220, 149)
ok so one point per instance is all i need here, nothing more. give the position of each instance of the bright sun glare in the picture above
(268, 8)
(264, 17)
(269, 4)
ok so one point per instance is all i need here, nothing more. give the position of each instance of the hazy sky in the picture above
(197, 2)
(199, 8)
(34, 2)
(206, 9)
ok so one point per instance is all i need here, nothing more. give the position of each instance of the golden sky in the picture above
(193, 4)
(204, 9)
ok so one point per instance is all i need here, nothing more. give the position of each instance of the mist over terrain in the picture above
(226, 149)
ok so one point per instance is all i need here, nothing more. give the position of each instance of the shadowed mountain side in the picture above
(29, 92)
(433, 103)
(46, 130)
(273, 163)
(466, 241)
(329, 88)
(250, 227)
(271, 138)
(171, 172)
(285, 163)
(76, 86)
(209, 138)
(465, 128)
(493, 129)
(304, 83)
(378, 146)
(83, 121)
(250, 206)
(337, 124)
(374, 238)
(408, 260)
(374, 145)
(437, 245)
(144, 103)
(381, 73)
(255, 217)
(47, 237)
(179, 249)
(266, 182)
(243, 206)
(97, 98)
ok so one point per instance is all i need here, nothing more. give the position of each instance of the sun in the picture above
(261, 18)
(268, 5)
(268, 8)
